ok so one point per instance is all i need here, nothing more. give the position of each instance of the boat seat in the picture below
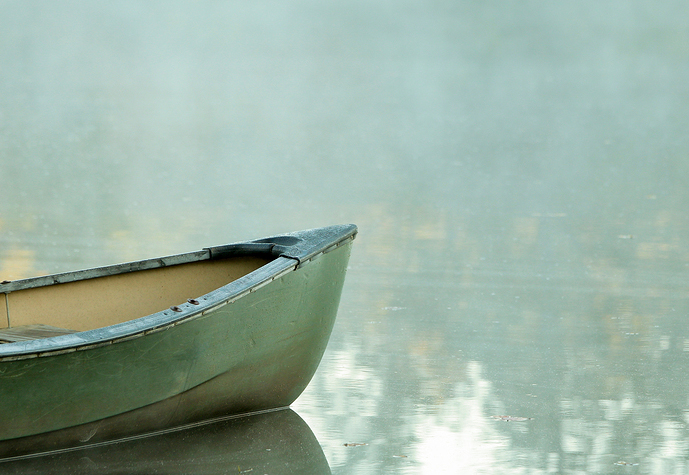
(31, 332)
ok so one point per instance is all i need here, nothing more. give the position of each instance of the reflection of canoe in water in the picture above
(100, 351)
(277, 442)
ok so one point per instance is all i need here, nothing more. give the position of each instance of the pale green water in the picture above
(518, 171)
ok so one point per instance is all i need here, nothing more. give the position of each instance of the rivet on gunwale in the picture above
(175, 308)
(193, 301)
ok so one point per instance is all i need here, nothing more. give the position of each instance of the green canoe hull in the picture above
(242, 354)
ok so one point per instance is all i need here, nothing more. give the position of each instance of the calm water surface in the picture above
(517, 296)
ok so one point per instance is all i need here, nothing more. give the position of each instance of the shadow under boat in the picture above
(276, 442)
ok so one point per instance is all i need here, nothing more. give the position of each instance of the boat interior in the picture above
(96, 302)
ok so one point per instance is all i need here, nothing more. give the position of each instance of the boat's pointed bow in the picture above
(303, 245)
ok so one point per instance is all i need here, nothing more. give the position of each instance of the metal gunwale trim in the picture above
(66, 277)
(288, 264)
(198, 311)
(326, 250)
(57, 352)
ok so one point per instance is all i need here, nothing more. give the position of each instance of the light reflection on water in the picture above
(591, 355)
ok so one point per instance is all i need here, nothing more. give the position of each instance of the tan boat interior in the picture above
(102, 301)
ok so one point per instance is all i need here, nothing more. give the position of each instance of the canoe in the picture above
(102, 353)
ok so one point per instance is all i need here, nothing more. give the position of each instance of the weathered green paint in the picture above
(257, 352)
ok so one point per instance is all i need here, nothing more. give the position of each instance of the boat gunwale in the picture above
(287, 260)
(104, 271)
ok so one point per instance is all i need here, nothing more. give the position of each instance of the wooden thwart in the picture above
(31, 332)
